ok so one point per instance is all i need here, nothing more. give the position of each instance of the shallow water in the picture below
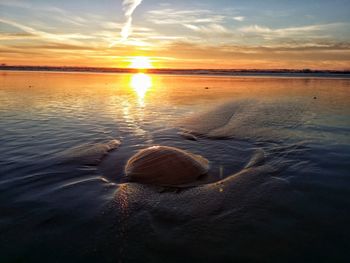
(64, 197)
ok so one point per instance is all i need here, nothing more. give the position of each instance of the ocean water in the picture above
(278, 188)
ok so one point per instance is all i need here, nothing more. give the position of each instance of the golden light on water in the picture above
(141, 83)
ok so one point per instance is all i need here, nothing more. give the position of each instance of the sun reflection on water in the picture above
(141, 83)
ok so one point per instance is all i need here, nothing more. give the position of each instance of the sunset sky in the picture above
(177, 34)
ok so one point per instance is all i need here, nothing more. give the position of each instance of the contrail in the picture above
(129, 7)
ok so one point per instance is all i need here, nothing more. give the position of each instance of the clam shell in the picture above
(163, 165)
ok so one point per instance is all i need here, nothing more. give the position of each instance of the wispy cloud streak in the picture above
(129, 7)
(65, 38)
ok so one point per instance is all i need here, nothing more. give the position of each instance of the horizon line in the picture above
(4, 66)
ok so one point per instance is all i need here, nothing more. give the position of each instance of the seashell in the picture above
(163, 165)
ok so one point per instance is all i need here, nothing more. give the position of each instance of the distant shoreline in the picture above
(218, 72)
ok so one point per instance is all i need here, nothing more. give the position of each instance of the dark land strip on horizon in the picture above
(219, 72)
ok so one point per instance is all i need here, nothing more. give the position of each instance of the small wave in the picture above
(88, 153)
(246, 119)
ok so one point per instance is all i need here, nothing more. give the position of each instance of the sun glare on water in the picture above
(140, 63)
(141, 83)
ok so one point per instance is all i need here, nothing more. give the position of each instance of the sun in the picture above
(140, 63)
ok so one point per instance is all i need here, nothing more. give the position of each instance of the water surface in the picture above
(61, 170)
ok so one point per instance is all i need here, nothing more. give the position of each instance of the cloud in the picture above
(172, 16)
(239, 18)
(210, 29)
(46, 12)
(66, 38)
(312, 30)
(129, 7)
(331, 55)
(16, 36)
(181, 54)
(207, 24)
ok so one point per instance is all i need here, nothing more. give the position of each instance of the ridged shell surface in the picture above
(164, 165)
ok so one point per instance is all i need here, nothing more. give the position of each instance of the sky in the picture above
(249, 34)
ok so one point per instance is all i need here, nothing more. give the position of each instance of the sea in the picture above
(277, 190)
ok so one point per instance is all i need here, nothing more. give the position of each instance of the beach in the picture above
(66, 138)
